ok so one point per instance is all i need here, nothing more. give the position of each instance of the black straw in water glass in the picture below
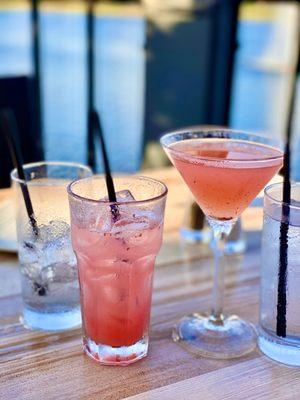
(283, 247)
(11, 134)
(285, 212)
(108, 176)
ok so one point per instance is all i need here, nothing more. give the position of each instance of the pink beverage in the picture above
(225, 175)
(120, 258)
(116, 256)
(225, 170)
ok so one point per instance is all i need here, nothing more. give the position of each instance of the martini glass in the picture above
(225, 170)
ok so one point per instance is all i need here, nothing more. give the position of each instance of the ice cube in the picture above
(122, 196)
(54, 231)
(59, 272)
(31, 270)
(111, 294)
(106, 218)
(127, 224)
(52, 245)
(57, 244)
(58, 251)
(28, 252)
(131, 226)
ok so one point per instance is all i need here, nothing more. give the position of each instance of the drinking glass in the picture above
(48, 267)
(116, 245)
(278, 345)
(225, 170)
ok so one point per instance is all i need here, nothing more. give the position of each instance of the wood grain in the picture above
(255, 379)
(35, 365)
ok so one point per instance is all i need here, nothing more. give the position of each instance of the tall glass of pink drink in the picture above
(116, 245)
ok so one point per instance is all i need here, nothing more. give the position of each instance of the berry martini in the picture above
(225, 171)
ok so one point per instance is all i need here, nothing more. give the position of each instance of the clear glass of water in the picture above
(48, 267)
(283, 349)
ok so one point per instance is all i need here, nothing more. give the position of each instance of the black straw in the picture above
(10, 130)
(285, 212)
(108, 177)
(283, 249)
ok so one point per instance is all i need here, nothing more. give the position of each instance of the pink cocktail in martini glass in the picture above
(225, 170)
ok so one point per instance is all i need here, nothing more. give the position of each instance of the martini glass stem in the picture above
(220, 231)
(218, 284)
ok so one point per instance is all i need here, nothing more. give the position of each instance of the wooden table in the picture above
(36, 365)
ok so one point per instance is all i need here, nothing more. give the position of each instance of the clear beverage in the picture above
(48, 266)
(286, 350)
(116, 256)
(49, 278)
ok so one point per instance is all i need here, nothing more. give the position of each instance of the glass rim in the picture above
(280, 202)
(199, 129)
(119, 203)
(14, 172)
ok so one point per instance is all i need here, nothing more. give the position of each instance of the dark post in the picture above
(230, 66)
(224, 45)
(190, 65)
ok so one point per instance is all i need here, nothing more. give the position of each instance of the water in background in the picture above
(120, 72)
(260, 85)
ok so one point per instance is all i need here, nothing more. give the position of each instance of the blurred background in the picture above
(147, 66)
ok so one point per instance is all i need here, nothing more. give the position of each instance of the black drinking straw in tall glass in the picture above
(286, 200)
(108, 175)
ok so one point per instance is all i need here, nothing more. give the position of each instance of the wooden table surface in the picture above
(37, 365)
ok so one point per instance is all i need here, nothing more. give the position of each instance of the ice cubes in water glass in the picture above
(43, 257)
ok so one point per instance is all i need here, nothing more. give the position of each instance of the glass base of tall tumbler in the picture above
(228, 339)
(51, 321)
(286, 351)
(123, 355)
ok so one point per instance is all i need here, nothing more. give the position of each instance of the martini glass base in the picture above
(230, 338)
